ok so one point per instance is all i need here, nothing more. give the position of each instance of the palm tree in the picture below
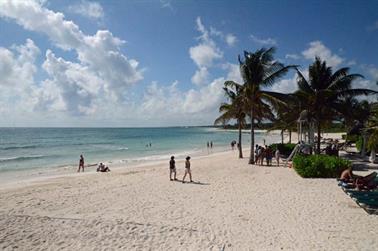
(233, 110)
(319, 95)
(259, 70)
(352, 111)
(286, 119)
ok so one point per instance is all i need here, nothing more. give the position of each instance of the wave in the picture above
(123, 148)
(18, 147)
(21, 158)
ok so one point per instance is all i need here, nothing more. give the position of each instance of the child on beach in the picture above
(172, 168)
(81, 163)
(187, 170)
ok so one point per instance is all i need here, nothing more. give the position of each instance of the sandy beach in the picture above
(232, 206)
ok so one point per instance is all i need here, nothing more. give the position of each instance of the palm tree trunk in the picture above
(240, 141)
(290, 136)
(252, 153)
(282, 136)
(318, 143)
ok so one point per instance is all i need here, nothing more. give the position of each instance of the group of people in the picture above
(209, 144)
(332, 149)
(172, 169)
(101, 167)
(266, 153)
(233, 144)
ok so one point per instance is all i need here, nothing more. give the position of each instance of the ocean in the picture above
(50, 148)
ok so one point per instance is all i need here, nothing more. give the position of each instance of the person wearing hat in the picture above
(172, 168)
(187, 170)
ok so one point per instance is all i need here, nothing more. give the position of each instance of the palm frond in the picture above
(270, 80)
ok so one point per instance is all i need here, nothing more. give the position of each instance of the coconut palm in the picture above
(233, 110)
(286, 117)
(352, 111)
(319, 95)
(258, 71)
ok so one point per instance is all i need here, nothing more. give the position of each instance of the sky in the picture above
(153, 63)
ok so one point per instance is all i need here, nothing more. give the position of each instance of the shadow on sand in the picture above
(194, 183)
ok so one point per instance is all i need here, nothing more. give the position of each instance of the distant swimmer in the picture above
(187, 170)
(81, 163)
(172, 168)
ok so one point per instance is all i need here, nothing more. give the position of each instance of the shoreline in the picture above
(25, 176)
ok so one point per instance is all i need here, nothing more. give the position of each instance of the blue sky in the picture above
(162, 63)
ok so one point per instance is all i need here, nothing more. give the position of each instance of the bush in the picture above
(319, 166)
(285, 149)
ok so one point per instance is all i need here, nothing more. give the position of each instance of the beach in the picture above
(231, 206)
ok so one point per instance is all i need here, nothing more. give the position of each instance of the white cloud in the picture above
(189, 105)
(201, 76)
(292, 56)
(204, 54)
(17, 67)
(233, 72)
(88, 9)
(75, 86)
(17, 72)
(231, 39)
(288, 85)
(267, 41)
(318, 49)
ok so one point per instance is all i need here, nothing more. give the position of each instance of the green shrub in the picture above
(319, 166)
(285, 149)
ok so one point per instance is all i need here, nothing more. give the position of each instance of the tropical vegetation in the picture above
(326, 96)
(319, 166)
(235, 109)
(259, 70)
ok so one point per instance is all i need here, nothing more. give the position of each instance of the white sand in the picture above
(236, 207)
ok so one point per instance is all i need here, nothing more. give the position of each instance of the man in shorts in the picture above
(172, 168)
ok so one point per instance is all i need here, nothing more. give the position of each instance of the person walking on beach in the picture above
(81, 163)
(257, 149)
(172, 168)
(187, 170)
(211, 144)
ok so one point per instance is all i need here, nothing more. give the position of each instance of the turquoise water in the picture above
(28, 148)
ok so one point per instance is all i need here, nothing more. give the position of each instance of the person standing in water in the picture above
(172, 168)
(187, 170)
(81, 163)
